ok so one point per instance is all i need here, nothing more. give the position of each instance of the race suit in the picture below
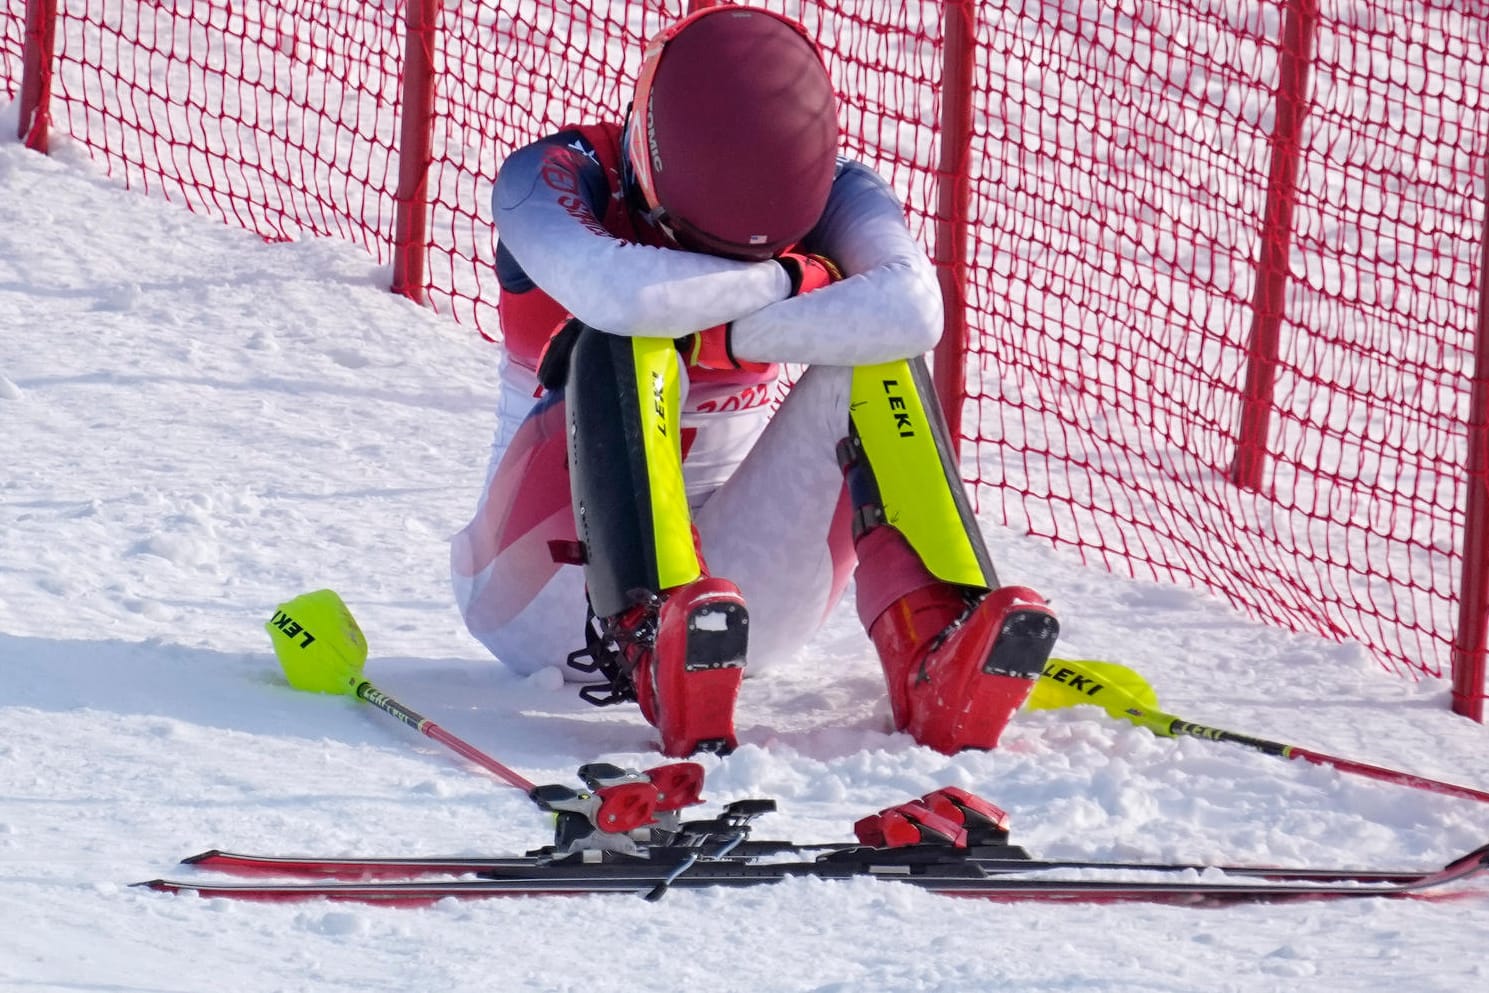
(759, 449)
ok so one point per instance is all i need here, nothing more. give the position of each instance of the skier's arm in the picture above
(888, 306)
(549, 205)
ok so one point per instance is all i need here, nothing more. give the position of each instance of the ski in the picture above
(990, 859)
(946, 827)
(948, 842)
(946, 876)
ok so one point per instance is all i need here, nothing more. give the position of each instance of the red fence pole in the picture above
(1269, 302)
(954, 195)
(1471, 642)
(36, 75)
(415, 144)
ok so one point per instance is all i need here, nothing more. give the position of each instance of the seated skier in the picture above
(647, 492)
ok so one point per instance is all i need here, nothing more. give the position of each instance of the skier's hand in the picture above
(710, 349)
(809, 272)
(553, 362)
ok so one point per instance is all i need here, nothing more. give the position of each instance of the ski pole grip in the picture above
(371, 694)
(1193, 730)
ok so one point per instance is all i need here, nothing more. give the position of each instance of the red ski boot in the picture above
(686, 655)
(958, 670)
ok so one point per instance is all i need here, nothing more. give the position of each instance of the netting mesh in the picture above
(1120, 184)
(1125, 174)
(12, 42)
(279, 117)
(507, 77)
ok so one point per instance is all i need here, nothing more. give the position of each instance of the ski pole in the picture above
(1125, 695)
(366, 691)
(322, 649)
(330, 660)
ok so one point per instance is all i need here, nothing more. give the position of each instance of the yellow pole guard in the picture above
(319, 644)
(658, 387)
(914, 484)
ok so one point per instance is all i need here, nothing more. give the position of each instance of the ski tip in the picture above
(1474, 860)
(206, 856)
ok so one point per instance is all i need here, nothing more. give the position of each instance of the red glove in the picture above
(809, 272)
(710, 349)
(553, 360)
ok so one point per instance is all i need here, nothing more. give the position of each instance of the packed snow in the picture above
(196, 426)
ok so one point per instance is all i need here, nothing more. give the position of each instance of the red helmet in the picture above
(733, 136)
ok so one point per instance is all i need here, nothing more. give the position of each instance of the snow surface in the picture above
(196, 426)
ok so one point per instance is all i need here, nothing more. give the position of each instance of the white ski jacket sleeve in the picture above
(888, 306)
